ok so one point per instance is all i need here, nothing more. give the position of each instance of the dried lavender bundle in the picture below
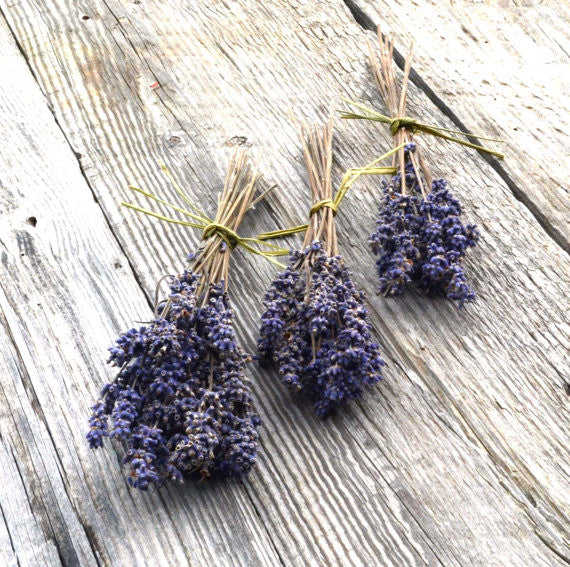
(181, 401)
(316, 325)
(419, 235)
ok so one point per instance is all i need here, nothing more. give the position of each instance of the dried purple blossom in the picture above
(184, 403)
(316, 325)
(317, 329)
(419, 237)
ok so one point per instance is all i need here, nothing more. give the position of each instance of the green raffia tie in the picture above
(321, 204)
(350, 177)
(207, 225)
(404, 122)
(230, 237)
(415, 126)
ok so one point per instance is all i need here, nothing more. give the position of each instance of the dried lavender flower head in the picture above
(181, 401)
(419, 236)
(316, 328)
(316, 325)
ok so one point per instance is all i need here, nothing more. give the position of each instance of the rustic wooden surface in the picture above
(460, 457)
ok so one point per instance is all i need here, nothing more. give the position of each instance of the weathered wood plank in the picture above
(505, 66)
(460, 457)
(59, 306)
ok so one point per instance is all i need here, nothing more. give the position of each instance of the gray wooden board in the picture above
(459, 457)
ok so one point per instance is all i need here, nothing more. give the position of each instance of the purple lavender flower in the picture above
(421, 238)
(316, 327)
(181, 400)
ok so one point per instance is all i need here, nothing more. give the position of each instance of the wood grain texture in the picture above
(59, 305)
(499, 68)
(460, 457)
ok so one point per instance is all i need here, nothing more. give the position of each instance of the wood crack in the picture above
(424, 531)
(53, 537)
(264, 524)
(498, 463)
(9, 534)
(552, 547)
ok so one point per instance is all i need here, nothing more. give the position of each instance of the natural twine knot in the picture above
(230, 237)
(403, 122)
(324, 203)
(415, 126)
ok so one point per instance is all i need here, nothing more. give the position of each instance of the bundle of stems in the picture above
(316, 140)
(317, 147)
(212, 260)
(236, 198)
(402, 126)
(395, 98)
